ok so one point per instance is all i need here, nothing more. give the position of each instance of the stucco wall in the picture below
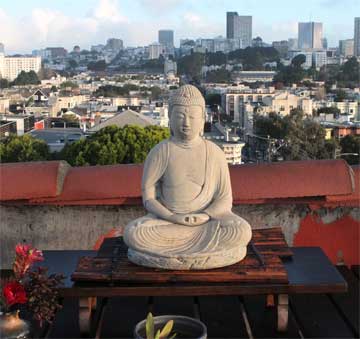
(79, 227)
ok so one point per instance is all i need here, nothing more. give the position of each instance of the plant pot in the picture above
(184, 327)
(12, 327)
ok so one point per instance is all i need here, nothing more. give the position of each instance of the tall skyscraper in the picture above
(310, 35)
(357, 36)
(231, 24)
(346, 47)
(114, 44)
(2, 48)
(166, 38)
(239, 27)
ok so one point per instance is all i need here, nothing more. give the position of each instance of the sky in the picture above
(33, 24)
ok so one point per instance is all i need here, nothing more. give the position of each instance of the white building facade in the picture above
(11, 67)
(155, 50)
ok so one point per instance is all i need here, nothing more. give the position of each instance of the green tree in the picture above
(191, 65)
(26, 78)
(350, 71)
(340, 95)
(351, 144)
(220, 75)
(68, 84)
(218, 58)
(155, 92)
(4, 83)
(23, 148)
(70, 118)
(98, 66)
(273, 125)
(72, 63)
(298, 60)
(328, 110)
(289, 75)
(303, 138)
(112, 91)
(114, 145)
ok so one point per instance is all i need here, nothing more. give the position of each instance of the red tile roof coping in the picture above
(317, 181)
(291, 179)
(112, 184)
(354, 196)
(31, 180)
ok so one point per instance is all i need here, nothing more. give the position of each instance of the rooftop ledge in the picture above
(317, 183)
(52, 205)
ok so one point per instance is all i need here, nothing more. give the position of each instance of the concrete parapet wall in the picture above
(79, 227)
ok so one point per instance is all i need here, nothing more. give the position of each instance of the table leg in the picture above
(86, 306)
(282, 312)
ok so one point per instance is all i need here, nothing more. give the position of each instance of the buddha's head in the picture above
(187, 113)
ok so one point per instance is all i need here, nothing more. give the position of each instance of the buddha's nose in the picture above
(186, 121)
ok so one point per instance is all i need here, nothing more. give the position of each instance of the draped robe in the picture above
(219, 242)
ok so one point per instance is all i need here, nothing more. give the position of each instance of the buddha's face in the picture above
(186, 122)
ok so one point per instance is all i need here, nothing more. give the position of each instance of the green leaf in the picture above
(150, 326)
(173, 336)
(157, 335)
(167, 329)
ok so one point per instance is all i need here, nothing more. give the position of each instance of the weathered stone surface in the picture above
(186, 190)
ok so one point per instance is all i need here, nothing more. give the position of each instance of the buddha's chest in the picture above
(185, 166)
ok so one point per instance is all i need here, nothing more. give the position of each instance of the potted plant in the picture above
(34, 289)
(170, 326)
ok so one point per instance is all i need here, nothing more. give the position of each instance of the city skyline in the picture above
(90, 22)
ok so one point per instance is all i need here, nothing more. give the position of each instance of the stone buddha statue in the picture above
(186, 191)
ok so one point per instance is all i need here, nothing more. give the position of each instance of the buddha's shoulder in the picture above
(212, 147)
(161, 147)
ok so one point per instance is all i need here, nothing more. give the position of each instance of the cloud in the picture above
(53, 28)
(195, 25)
(279, 30)
(108, 10)
(160, 7)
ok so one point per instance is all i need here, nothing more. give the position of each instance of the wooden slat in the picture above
(222, 316)
(318, 317)
(112, 264)
(94, 269)
(348, 303)
(121, 315)
(263, 319)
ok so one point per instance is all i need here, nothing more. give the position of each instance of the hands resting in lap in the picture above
(191, 219)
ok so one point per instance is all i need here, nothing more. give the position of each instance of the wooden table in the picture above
(309, 271)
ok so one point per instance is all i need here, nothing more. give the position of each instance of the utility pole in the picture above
(269, 148)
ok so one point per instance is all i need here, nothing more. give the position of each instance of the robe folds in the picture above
(152, 241)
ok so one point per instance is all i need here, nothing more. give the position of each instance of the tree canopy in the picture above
(351, 144)
(220, 75)
(303, 138)
(191, 65)
(4, 83)
(23, 148)
(98, 66)
(291, 74)
(26, 78)
(114, 145)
